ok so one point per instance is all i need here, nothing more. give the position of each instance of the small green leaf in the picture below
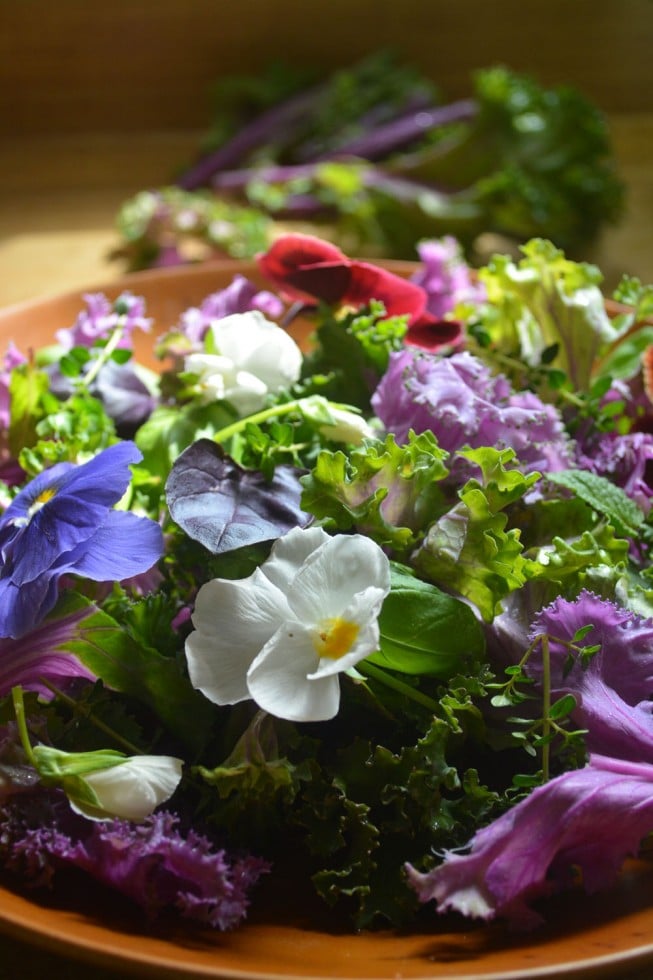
(605, 497)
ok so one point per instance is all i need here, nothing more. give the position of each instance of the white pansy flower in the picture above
(131, 790)
(347, 427)
(247, 357)
(282, 635)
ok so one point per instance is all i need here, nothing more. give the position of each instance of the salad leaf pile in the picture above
(375, 617)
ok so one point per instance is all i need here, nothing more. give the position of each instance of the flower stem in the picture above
(377, 674)
(546, 706)
(87, 713)
(267, 413)
(21, 722)
(104, 355)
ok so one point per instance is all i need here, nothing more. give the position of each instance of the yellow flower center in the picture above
(42, 499)
(335, 637)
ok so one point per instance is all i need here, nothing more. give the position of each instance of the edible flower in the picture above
(308, 268)
(104, 783)
(63, 522)
(101, 318)
(282, 635)
(246, 358)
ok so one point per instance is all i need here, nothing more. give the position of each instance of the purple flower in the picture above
(45, 654)
(125, 397)
(102, 317)
(612, 688)
(12, 359)
(150, 862)
(445, 276)
(240, 296)
(590, 819)
(463, 404)
(63, 522)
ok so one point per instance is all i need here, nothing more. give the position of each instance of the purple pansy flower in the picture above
(240, 296)
(445, 276)
(613, 687)
(462, 403)
(589, 819)
(63, 522)
(102, 317)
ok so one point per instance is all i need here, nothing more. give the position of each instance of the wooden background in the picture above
(99, 100)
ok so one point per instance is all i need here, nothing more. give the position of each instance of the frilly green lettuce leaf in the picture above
(547, 302)
(386, 491)
(468, 549)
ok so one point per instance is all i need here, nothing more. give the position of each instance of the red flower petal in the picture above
(308, 268)
(431, 334)
(399, 296)
(293, 261)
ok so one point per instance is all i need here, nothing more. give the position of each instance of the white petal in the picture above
(233, 621)
(205, 364)
(347, 427)
(259, 346)
(289, 553)
(327, 582)
(133, 789)
(246, 392)
(364, 611)
(278, 678)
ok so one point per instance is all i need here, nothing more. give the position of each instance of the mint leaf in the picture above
(605, 497)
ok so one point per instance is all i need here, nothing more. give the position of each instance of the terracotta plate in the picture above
(589, 936)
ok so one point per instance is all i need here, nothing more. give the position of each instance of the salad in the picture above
(373, 610)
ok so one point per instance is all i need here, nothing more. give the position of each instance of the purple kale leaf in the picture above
(589, 819)
(150, 862)
(614, 685)
(464, 405)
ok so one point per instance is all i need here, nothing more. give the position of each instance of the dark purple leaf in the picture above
(223, 506)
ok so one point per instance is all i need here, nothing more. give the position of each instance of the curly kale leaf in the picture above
(379, 809)
(389, 492)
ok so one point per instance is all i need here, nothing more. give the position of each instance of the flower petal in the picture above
(278, 678)
(342, 567)
(233, 621)
(290, 552)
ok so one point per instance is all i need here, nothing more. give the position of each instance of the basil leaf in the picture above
(223, 506)
(425, 631)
